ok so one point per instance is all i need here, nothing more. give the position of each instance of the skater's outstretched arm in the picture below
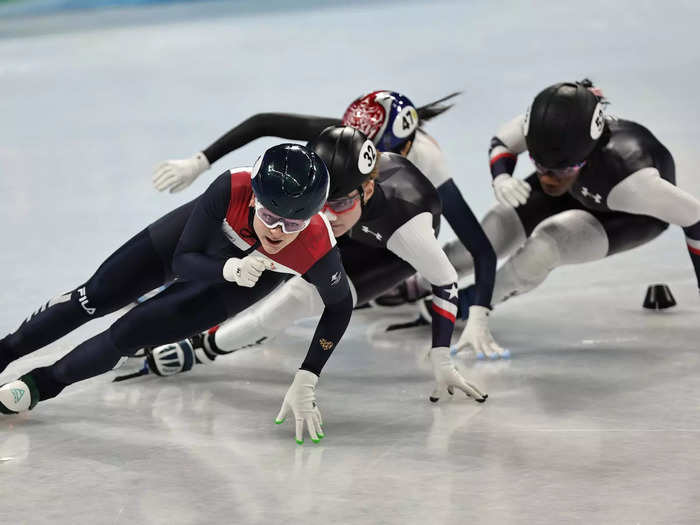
(470, 233)
(328, 276)
(331, 282)
(179, 174)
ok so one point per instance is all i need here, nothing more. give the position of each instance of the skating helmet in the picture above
(349, 155)
(563, 125)
(388, 118)
(290, 181)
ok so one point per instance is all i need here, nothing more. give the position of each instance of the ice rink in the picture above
(595, 419)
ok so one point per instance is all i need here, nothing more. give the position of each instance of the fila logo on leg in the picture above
(82, 298)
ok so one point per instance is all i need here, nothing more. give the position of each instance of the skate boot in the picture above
(18, 396)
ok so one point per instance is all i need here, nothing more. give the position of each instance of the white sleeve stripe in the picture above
(499, 150)
(692, 243)
(328, 227)
(445, 305)
(644, 192)
(232, 236)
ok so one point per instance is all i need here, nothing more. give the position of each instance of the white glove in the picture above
(246, 271)
(301, 400)
(510, 191)
(178, 174)
(447, 377)
(477, 335)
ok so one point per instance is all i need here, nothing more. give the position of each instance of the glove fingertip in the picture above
(279, 421)
(434, 399)
(299, 442)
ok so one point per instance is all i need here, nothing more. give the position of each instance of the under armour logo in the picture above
(335, 278)
(367, 230)
(597, 197)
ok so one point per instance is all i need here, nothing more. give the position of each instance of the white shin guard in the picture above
(503, 229)
(295, 300)
(570, 237)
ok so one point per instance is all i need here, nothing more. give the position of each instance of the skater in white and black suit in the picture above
(603, 185)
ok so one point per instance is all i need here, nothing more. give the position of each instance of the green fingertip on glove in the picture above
(299, 442)
(279, 421)
(321, 436)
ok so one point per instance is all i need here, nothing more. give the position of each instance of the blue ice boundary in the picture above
(47, 7)
(22, 8)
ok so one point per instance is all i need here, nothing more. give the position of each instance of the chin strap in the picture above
(362, 197)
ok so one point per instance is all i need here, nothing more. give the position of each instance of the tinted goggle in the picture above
(342, 205)
(345, 204)
(560, 173)
(272, 220)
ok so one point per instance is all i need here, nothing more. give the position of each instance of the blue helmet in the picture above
(291, 181)
(388, 118)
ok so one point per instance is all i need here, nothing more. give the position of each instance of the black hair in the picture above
(435, 108)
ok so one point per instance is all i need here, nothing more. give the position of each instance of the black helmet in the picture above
(349, 155)
(291, 181)
(563, 125)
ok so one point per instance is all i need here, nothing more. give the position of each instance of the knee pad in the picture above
(504, 229)
(577, 235)
(534, 260)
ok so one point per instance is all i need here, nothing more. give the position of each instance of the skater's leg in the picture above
(570, 237)
(181, 310)
(132, 270)
(504, 230)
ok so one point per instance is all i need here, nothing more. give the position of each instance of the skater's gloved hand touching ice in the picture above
(478, 336)
(510, 191)
(178, 174)
(246, 271)
(301, 401)
(447, 377)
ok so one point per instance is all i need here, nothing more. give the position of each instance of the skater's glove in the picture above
(447, 377)
(246, 271)
(301, 400)
(178, 174)
(510, 191)
(478, 336)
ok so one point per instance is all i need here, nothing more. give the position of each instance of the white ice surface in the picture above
(594, 420)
